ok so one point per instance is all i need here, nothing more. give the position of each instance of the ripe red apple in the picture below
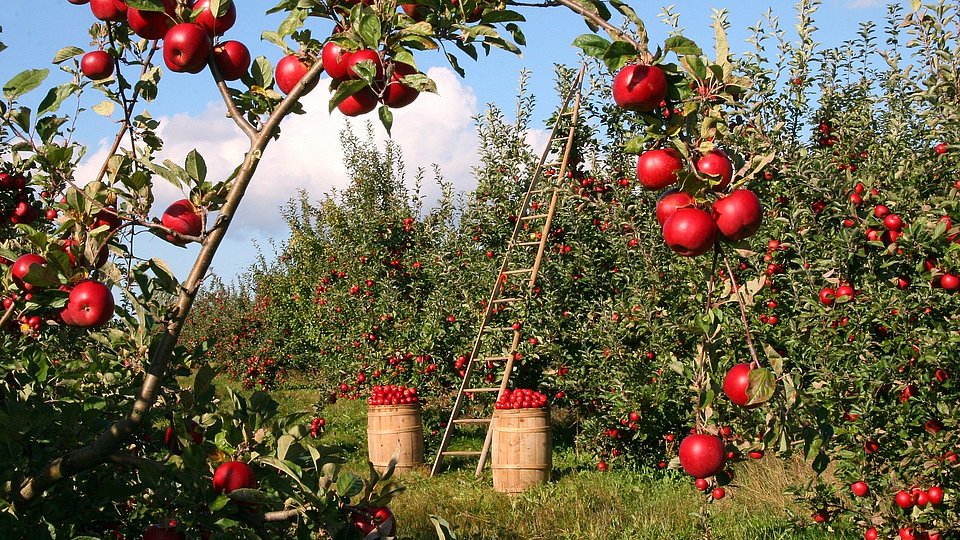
(871, 446)
(941, 148)
(701, 484)
(152, 24)
(860, 488)
(211, 24)
(163, 532)
(690, 232)
(634, 416)
(109, 10)
(184, 218)
(904, 500)
(22, 266)
(79, 2)
(893, 222)
(359, 103)
(881, 211)
(716, 163)
(669, 203)
(949, 282)
(96, 65)
(334, 59)
(657, 169)
(702, 455)
(290, 69)
(639, 88)
(827, 296)
(718, 493)
(380, 519)
(232, 59)
(736, 384)
(396, 94)
(186, 48)
(171, 441)
(417, 12)
(90, 305)
(935, 495)
(233, 475)
(602, 466)
(871, 534)
(361, 55)
(738, 215)
(845, 291)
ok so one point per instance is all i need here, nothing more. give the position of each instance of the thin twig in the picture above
(743, 313)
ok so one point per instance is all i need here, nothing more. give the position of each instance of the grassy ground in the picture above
(581, 503)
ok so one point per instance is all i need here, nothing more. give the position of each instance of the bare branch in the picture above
(232, 111)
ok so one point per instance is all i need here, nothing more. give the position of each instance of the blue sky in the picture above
(434, 130)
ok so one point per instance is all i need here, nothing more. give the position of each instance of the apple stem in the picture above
(743, 314)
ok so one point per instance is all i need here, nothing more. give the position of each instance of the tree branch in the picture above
(232, 111)
(109, 441)
(603, 23)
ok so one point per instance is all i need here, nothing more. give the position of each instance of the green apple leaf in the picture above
(592, 45)
(345, 90)
(24, 82)
(682, 46)
(55, 98)
(195, 166)
(386, 118)
(761, 387)
(67, 53)
(146, 5)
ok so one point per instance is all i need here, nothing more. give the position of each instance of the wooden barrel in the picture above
(395, 429)
(522, 449)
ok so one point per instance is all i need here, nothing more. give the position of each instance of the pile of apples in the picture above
(521, 398)
(690, 228)
(393, 395)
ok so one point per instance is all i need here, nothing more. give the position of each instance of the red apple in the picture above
(186, 48)
(904, 500)
(702, 455)
(657, 169)
(233, 475)
(871, 534)
(827, 296)
(97, 65)
(417, 12)
(396, 94)
(290, 69)
(109, 10)
(881, 211)
(184, 218)
(736, 385)
(361, 55)
(360, 103)
(871, 446)
(22, 266)
(935, 495)
(860, 488)
(690, 232)
(669, 203)
(845, 291)
(79, 2)
(893, 222)
(90, 304)
(232, 59)
(334, 59)
(639, 88)
(949, 282)
(108, 217)
(211, 24)
(715, 163)
(152, 24)
(738, 215)
(172, 442)
(718, 493)
(163, 532)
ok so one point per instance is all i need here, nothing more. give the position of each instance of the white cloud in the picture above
(434, 129)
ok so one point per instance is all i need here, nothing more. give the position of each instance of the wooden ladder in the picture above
(526, 218)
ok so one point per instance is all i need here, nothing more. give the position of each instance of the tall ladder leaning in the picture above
(527, 216)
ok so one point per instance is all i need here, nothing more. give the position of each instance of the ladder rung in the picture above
(527, 244)
(505, 300)
(498, 329)
(472, 421)
(488, 389)
(461, 453)
(534, 216)
(520, 271)
(494, 358)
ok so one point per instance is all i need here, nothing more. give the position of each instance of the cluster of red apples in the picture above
(521, 398)
(689, 228)
(393, 395)
(186, 28)
(388, 87)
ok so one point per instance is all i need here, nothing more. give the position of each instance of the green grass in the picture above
(580, 503)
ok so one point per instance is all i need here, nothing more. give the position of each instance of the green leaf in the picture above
(386, 118)
(444, 531)
(218, 503)
(55, 98)
(276, 39)
(502, 16)
(366, 23)
(262, 72)
(915, 5)
(349, 485)
(67, 53)
(146, 5)
(682, 46)
(592, 45)
(24, 82)
(203, 378)
(195, 166)
(761, 387)
(619, 54)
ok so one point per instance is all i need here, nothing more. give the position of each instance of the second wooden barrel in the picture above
(522, 449)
